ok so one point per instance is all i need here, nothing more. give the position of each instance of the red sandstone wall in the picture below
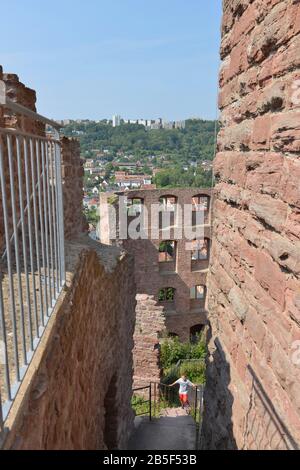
(252, 397)
(72, 177)
(23, 95)
(150, 322)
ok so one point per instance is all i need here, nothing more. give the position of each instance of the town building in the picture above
(89, 163)
(168, 125)
(126, 165)
(126, 181)
(116, 121)
(142, 122)
(180, 124)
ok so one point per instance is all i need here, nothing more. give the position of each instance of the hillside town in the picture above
(124, 168)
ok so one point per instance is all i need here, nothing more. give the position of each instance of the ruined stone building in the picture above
(170, 269)
(76, 393)
(252, 398)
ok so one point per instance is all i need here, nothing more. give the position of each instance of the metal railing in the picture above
(159, 396)
(32, 265)
(141, 401)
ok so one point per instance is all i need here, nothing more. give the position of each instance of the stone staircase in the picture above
(173, 430)
(173, 412)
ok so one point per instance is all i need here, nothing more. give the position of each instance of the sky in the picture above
(95, 58)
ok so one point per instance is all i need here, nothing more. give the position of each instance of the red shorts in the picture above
(183, 397)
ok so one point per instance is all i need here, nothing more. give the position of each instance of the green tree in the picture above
(92, 216)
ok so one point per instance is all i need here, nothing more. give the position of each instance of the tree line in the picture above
(194, 143)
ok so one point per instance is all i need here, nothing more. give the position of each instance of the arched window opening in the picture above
(200, 250)
(168, 203)
(198, 293)
(167, 251)
(195, 333)
(200, 203)
(134, 206)
(172, 335)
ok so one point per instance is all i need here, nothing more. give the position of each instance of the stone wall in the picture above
(72, 176)
(150, 323)
(253, 377)
(21, 94)
(78, 389)
(1, 109)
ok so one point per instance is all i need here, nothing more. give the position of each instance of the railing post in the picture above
(199, 427)
(9, 262)
(155, 399)
(1, 416)
(2, 93)
(150, 402)
(60, 209)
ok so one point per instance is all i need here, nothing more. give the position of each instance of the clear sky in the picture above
(95, 58)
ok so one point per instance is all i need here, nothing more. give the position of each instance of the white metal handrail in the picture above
(32, 260)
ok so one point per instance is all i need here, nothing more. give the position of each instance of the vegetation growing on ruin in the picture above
(194, 370)
(172, 351)
(92, 216)
(140, 405)
(176, 178)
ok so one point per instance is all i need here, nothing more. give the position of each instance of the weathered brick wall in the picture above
(23, 95)
(150, 323)
(1, 110)
(252, 396)
(78, 396)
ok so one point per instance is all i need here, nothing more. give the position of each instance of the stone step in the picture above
(173, 412)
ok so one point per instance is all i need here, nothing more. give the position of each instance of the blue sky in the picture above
(94, 58)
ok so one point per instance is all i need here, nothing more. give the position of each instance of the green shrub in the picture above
(112, 199)
(140, 405)
(198, 349)
(191, 357)
(195, 371)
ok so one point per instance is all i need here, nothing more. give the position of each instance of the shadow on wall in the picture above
(111, 416)
(217, 430)
(262, 411)
(263, 428)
